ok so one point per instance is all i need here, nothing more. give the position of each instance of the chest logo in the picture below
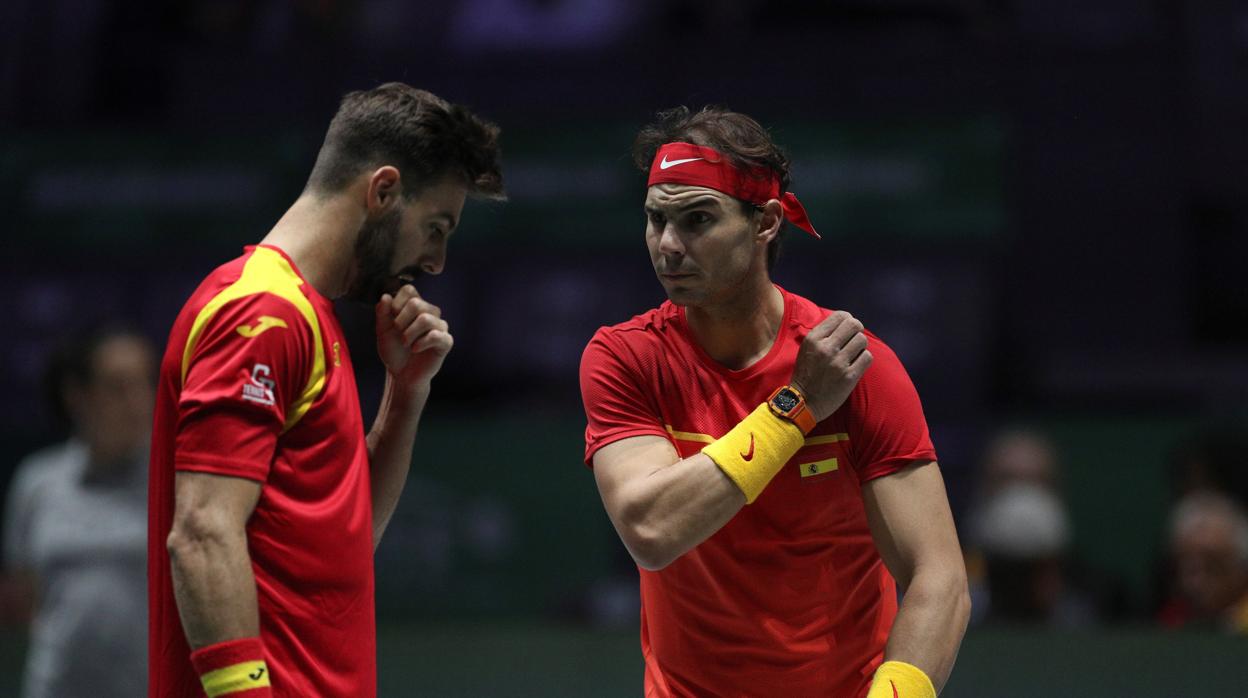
(749, 455)
(264, 322)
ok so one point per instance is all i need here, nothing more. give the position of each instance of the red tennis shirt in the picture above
(790, 597)
(256, 383)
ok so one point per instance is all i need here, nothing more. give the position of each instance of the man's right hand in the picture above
(832, 359)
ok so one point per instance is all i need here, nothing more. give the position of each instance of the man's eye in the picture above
(657, 220)
(699, 218)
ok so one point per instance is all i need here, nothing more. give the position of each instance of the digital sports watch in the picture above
(789, 403)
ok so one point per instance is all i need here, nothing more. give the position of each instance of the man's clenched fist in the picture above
(832, 358)
(412, 337)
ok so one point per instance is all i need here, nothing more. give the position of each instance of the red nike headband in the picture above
(686, 163)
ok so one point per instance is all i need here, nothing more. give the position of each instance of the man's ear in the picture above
(770, 221)
(385, 186)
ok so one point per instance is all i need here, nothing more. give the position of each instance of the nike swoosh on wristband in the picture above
(748, 456)
(672, 163)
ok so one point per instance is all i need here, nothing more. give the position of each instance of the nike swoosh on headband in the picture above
(672, 163)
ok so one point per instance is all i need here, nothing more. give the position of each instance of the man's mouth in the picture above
(399, 280)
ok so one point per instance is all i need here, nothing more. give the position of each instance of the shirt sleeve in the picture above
(887, 430)
(248, 367)
(616, 406)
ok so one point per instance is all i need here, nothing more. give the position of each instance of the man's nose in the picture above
(434, 262)
(669, 242)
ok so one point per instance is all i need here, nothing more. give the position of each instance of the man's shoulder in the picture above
(640, 329)
(261, 276)
(803, 312)
(217, 280)
(807, 313)
(248, 295)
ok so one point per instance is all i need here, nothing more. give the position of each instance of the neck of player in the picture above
(740, 330)
(313, 232)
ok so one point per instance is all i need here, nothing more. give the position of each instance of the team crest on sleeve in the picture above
(259, 386)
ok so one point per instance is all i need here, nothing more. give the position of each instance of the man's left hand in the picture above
(412, 337)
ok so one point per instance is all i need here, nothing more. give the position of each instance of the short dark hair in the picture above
(421, 134)
(742, 140)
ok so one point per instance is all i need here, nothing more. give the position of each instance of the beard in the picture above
(374, 258)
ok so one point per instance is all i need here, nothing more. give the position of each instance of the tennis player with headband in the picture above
(765, 461)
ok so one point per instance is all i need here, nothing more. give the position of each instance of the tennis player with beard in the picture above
(765, 460)
(267, 499)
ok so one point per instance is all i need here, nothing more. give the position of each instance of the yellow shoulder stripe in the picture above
(707, 438)
(267, 271)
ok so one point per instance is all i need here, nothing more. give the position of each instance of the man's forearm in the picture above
(215, 588)
(663, 511)
(675, 508)
(929, 626)
(390, 445)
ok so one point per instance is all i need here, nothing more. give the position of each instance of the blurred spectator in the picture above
(1014, 456)
(75, 531)
(1209, 546)
(1019, 456)
(1019, 561)
(1023, 534)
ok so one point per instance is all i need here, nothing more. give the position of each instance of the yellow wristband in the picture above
(233, 666)
(755, 450)
(901, 680)
(243, 676)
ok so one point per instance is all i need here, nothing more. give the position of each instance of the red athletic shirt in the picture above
(790, 597)
(256, 383)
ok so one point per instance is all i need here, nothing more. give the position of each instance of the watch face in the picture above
(785, 400)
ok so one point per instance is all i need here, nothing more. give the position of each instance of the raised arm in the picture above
(909, 516)
(664, 506)
(412, 341)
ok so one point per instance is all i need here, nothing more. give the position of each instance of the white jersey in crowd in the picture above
(86, 545)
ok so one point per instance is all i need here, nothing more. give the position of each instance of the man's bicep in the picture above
(627, 460)
(222, 502)
(618, 406)
(908, 513)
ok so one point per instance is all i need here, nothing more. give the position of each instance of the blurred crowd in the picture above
(1024, 568)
